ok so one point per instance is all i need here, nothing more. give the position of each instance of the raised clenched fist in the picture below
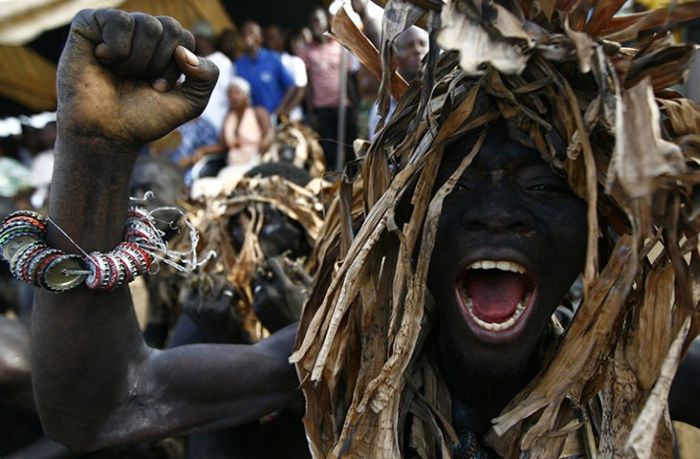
(118, 77)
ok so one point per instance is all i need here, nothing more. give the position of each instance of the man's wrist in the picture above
(90, 189)
(69, 141)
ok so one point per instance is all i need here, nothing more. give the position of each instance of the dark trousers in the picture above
(327, 127)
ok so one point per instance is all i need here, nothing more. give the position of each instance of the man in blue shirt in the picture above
(272, 87)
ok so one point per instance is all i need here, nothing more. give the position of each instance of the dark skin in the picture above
(279, 299)
(318, 24)
(274, 38)
(509, 206)
(411, 47)
(252, 38)
(96, 383)
(109, 374)
(252, 42)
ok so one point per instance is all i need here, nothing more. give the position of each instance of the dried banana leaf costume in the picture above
(297, 144)
(246, 198)
(599, 112)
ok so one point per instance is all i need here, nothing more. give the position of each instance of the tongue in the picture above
(495, 294)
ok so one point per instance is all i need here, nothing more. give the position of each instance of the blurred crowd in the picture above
(270, 76)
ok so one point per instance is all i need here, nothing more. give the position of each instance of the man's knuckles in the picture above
(171, 26)
(149, 27)
(122, 39)
(116, 19)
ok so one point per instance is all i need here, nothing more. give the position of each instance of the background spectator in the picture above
(282, 42)
(218, 102)
(323, 58)
(190, 137)
(271, 86)
(410, 47)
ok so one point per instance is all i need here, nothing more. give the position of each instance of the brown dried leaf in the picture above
(683, 115)
(585, 47)
(589, 336)
(351, 37)
(641, 155)
(643, 435)
(651, 336)
(476, 46)
(627, 27)
(601, 15)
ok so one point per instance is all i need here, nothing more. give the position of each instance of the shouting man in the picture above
(431, 349)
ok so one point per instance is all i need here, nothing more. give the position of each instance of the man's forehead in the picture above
(498, 151)
(411, 35)
(251, 27)
(318, 14)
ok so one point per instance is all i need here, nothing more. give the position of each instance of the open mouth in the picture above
(496, 295)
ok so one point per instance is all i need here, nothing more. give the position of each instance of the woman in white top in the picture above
(244, 132)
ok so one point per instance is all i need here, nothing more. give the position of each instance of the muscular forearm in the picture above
(97, 384)
(85, 342)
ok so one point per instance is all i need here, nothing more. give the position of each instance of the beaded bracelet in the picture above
(23, 246)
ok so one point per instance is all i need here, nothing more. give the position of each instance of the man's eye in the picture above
(548, 188)
(460, 187)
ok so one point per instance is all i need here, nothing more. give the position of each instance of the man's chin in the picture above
(502, 364)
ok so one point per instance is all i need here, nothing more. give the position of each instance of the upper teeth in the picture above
(493, 264)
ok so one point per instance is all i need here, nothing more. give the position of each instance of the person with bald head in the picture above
(409, 47)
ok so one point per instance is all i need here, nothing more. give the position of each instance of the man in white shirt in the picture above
(218, 102)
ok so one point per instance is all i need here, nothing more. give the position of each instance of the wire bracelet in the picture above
(23, 245)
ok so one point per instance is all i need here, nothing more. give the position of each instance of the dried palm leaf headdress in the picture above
(551, 70)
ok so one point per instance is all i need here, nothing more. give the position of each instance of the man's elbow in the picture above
(73, 437)
(74, 429)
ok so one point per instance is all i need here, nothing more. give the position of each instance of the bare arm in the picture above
(292, 98)
(96, 382)
(263, 117)
(15, 375)
(684, 400)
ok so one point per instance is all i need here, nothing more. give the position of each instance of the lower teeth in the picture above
(495, 326)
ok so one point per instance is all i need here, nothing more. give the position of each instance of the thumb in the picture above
(200, 78)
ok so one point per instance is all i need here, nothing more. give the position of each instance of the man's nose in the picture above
(498, 210)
